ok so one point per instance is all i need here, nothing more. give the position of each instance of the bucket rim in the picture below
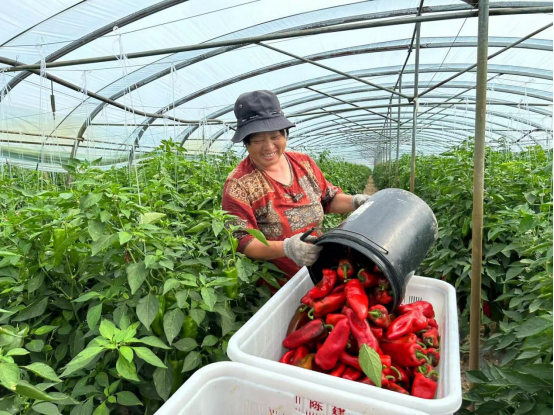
(374, 255)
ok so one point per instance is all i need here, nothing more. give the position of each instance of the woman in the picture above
(282, 194)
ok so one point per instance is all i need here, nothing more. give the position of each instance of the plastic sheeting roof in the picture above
(203, 84)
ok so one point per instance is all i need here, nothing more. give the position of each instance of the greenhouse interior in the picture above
(152, 256)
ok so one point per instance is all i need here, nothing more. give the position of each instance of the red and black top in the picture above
(277, 210)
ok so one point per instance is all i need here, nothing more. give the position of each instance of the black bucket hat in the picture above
(256, 112)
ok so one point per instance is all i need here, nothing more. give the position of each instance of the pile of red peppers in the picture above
(348, 309)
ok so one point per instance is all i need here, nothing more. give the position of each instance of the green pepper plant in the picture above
(516, 376)
(117, 287)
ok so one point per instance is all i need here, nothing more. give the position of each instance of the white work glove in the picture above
(359, 200)
(300, 252)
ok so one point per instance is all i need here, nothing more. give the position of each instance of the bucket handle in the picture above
(306, 234)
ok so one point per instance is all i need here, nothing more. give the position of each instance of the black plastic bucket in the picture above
(394, 229)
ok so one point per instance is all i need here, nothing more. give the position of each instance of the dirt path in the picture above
(370, 187)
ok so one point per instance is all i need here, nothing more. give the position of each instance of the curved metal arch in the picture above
(508, 69)
(401, 44)
(511, 89)
(41, 22)
(325, 23)
(318, 140)
(437, 139)
(429, 68)
(323, 127)
(422, 103)
(89, 37)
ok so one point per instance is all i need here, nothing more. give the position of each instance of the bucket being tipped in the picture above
(394, 230)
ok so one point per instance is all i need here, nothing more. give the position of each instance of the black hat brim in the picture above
(260, 126)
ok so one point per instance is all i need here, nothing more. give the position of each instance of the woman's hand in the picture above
(300, 252)
(359, 200)
(342, 203)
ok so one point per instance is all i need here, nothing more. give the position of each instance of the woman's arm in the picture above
(341, 203)
(257, 250)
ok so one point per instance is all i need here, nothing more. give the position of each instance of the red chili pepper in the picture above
(351, 374)
(338, 288)
(431, 322)
(431, 337)
(307, 299)
(405, 354)
(371, 301)
(397, 388)
(424, 368)
(299, 354)
(377, 332)
(299, 319)
(334, 345)
(487, 309)
(350, 360)
(398, 374)
(377, 270)
(411, 322)
(367, 279)
(357, 298)
(338, 370)
(384, 381)
(425, 385)
(383, 282)
(325, 286)
(352, 346)
(379, 316)
(287, 357)
(434, 356)
(333, 319)
(311, 331)
(328, 304)
(345, 269)
(425, 307)
(307, 362)
(386, 361)
(382, 295)
(360, 330)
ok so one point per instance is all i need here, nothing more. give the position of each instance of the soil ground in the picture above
(370, 187)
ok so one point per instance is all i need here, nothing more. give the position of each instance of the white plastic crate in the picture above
(258, 344)
(229, 388)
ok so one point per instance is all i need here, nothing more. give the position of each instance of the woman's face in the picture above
(265, 149)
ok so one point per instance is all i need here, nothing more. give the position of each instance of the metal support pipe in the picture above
(459, 104)
(416, 89)
(398, 134)
(349, 103)
(292, 55)
(478, 186)
(517, 42)
(91, 94)
(390, 153)
(288, 35)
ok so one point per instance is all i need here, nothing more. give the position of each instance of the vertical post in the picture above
(478, 184)
(390, 148)
(398, 131)
(416, 92)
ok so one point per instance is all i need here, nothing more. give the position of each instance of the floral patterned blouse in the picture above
(277, 210)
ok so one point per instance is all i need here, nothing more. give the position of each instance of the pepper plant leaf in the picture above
(371, 364)
(148, 356)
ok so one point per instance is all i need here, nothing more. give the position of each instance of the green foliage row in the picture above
(85, 272)
(351, 178)
(516, 377)
(115, 288)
